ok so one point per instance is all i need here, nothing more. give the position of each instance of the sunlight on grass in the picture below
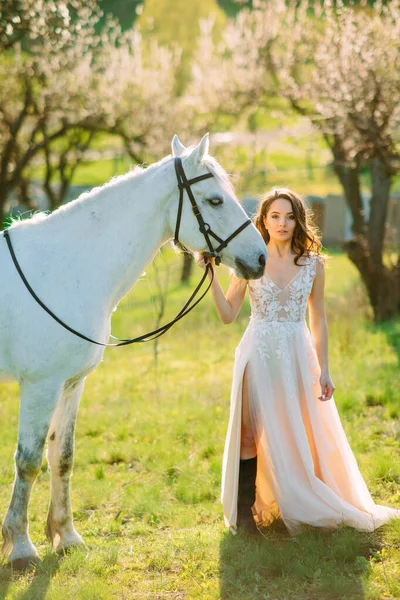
(149, 442)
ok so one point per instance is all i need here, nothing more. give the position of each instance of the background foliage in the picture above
(150, 434)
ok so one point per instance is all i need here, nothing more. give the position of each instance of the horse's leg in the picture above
(60, 455)
(38, 401)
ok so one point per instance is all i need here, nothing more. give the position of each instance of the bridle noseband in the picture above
(183, 184)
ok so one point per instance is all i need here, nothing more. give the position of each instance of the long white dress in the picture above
(306, 470)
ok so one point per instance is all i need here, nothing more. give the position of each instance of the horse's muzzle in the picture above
(249, 272)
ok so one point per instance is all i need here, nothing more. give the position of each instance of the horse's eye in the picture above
(215, 201)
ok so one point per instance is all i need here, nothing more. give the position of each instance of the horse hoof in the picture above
(26, 563)
(63, 550)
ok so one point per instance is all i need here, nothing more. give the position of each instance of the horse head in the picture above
(220, 211)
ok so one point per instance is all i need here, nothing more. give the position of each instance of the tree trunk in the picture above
(350, 180)
(366, 249)
(187, 267)
(3, 198)
(2, 215)
(381, 283)
(380, 193)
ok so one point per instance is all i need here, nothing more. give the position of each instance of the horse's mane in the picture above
(210, 163)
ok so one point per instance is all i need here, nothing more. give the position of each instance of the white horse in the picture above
(81, 260)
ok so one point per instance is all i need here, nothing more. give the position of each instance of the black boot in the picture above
(247, 495)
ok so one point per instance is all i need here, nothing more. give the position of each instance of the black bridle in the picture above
(183, 184)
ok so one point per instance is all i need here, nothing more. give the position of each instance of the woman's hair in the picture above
(306, 238)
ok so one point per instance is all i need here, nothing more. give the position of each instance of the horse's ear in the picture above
(202, 149)
(177, 147)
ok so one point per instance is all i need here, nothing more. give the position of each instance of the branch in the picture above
(14, 130)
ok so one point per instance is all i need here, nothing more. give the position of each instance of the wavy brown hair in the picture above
(306, 238)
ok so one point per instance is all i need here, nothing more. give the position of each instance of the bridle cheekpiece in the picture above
(184, 184)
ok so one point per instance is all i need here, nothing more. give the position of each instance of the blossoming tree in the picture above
(340, 66)
(61, 84)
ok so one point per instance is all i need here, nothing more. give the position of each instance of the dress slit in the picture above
(246, 404)
(306, 470)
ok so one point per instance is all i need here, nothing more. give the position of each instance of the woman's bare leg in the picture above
(248, 448)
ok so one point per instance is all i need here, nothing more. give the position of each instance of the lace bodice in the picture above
(273, 304)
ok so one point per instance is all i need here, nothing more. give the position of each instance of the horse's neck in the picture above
(121, 229)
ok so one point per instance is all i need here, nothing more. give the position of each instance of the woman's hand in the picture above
(327, 387)
(202, 261)
(227, 306)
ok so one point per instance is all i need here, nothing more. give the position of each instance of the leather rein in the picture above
(183, 184)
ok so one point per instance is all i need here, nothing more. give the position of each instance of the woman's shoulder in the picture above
(315, 258)
(316, 265)
(309, 259)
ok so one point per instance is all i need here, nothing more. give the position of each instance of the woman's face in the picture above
(280, 220)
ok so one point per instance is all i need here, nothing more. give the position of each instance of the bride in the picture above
(286, 454)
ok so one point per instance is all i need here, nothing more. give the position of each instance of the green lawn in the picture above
(148, 464)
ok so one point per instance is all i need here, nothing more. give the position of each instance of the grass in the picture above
(148, 463)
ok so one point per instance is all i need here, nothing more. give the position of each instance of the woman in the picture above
(286, 454)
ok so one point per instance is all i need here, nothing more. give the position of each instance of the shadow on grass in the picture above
(392, 333)
(316, 564)
(38, 581)
(5, 580)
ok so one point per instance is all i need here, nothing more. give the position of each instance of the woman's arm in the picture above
(319, 330)
(227, 306)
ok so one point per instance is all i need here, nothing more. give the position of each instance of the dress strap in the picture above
(312, 262)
